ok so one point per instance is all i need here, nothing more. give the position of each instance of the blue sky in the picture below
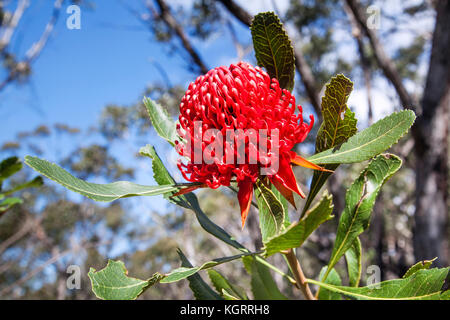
(80, 71)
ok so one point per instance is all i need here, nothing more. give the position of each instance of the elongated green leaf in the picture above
(201, 290)
(36, 182)
(284, 203)
(298, 232)
(333, 279)
(112, 282)
(225, 287)
(422, 285)
(421, 265)
(353, 258)
(8, 167)
(273, 49)
(271, 211)
(8, 203)
(162, 122)
(160, 173)
(183, 272)
(359, 201)
(98, 192)
(370, 142)
(262, 283)
(339, 124)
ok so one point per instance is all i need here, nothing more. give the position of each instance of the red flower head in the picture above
(224, 116)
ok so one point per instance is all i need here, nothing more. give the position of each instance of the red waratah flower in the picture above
(243, 99)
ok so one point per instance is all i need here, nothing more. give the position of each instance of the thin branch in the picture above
(166, 16)
(385, 63)
(11, 27)
(26, 228)
(23, 67)
(37, 47)
(365, 62)
(298, 275)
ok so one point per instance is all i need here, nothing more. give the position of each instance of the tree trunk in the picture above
(431, 133)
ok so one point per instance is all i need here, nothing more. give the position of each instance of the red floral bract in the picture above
(241, 97)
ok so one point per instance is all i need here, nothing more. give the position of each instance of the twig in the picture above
(385, 63)
(166, 16)
(298, 275)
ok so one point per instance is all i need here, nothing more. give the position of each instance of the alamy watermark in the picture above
(236, 147)
(73, 21)
(73, 281)
(373, 277)
(374, 17)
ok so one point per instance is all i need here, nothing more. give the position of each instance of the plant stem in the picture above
(298, 275)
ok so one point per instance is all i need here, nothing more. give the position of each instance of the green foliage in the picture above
(271, 211)
(225, 287)
(201, 290)
(421, 265)
(183, 272)
(98, 192)
(338, 125)
(113, 283)
(262, 283)
(332, 279)
(161, 121)
(359, 201)
(273, 49)
(370, 142)
(298, 232)
(422, 285)
(353, 258)
(9, 167)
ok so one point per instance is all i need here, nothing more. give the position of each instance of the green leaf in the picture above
(370, 142)
(285, 204)
(339, 124)
(160, 173)
(201, 290)
(228, 296)
(271, 211)
(225, 287)
(36, 182)
(359, 201)
(8, 203)
(353, 258)
(98, 192)
(162, 122)
(421, 265)
(333, 279)
(422, 285)
(273, 49)
(298, 232)
(183, 272)
(112, 282)
(8, 167)
(262, 283)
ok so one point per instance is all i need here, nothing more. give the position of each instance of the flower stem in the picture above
(298, 275)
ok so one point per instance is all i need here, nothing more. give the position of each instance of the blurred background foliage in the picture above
(53, 229)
